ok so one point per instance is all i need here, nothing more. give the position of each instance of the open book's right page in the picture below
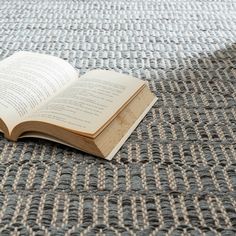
(88, 103)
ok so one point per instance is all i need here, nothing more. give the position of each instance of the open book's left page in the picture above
(27, 80)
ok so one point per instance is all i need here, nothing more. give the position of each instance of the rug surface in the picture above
(176, 174)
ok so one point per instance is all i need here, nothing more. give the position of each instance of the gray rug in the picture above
(176, 174)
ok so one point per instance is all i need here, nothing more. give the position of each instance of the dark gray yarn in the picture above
(176, 174)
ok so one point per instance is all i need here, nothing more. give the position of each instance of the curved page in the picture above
(27, 80)
(87, 104)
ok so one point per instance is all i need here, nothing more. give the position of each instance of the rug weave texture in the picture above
(176, 174)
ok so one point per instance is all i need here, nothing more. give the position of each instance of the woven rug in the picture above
(176, 174)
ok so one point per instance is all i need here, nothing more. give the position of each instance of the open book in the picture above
(42, 96)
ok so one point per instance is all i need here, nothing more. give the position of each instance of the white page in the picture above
(27, 80)
(89, 102)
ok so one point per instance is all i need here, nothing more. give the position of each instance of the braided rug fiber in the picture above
(176, 174)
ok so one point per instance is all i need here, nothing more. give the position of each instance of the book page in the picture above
(27, 80)
(89, 102)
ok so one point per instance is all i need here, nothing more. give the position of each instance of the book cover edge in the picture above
(128, 133)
